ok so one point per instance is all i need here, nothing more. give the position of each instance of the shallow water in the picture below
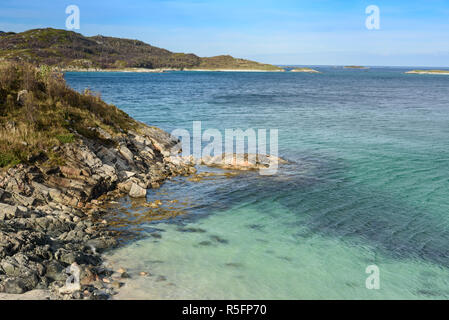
(368, 184)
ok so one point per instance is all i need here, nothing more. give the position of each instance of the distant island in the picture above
(307, 70)
(355, 67)
(70, 51)
(429, 72)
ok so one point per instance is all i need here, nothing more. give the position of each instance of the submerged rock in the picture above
(242, 161)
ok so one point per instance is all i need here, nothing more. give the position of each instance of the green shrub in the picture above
(8, 159)
(65, 138)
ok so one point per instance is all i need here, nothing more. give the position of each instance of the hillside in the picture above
(226, 62)
(68, 50)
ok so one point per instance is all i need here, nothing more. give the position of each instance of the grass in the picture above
(228, 62)
(49, 114)
(65, 138)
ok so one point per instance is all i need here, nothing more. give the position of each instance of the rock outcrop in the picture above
(242, 162)
(50, 216)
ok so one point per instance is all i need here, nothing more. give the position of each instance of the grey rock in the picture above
(55, 270)
(19, 264)
(126, 153)
(50, 217)
(8, 210)
(13, 285)
(137, 191)
(26, 201)
(100, 295)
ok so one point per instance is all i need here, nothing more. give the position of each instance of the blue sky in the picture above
(314, 32)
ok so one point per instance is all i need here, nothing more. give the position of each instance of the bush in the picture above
(8, 160)
(65, 138)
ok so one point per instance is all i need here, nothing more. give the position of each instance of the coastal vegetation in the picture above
(68, 50)
(226, 62)
(39, 112)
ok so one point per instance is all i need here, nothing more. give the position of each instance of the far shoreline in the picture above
(144, 70)
(439, 72)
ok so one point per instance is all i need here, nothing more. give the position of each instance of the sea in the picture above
(360, 211)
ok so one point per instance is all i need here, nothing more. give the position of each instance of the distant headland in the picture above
(70, 51)
(355, 67)
(306, 70)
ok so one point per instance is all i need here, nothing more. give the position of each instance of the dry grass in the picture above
(48, 114)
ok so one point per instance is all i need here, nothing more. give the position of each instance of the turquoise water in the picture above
(367, 184)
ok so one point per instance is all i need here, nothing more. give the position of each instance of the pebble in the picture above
(121, 270)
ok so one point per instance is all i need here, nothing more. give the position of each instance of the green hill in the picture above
(71, 50)
(226, 62)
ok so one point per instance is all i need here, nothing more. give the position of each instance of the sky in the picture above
(283, 32)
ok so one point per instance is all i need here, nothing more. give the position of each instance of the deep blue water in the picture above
(367, 184)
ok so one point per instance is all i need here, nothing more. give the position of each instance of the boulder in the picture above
(7, 211)
(137, 191)
(126, 153)
(18, 285)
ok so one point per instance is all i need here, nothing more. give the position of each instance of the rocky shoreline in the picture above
(163, 70)
(65, 157)
(136, 70)
(51, 229)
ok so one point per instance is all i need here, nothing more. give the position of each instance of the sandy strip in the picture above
(427, 72)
